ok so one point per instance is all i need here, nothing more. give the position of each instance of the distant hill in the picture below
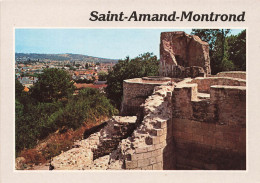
(60, 57)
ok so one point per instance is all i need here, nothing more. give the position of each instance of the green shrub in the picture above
(36, 121)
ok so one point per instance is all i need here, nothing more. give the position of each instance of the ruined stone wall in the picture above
(233, 74)
(99, 150)
(209, 146)
(210, 133)
(205, 83)
(151, 145)
(135, 92)
(207, 133)
(181, 129)
(183, 55)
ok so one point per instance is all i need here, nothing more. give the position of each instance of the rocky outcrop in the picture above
(183, 55)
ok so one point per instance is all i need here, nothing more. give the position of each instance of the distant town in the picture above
(86, 71)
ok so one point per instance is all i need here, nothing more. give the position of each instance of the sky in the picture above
(104, 43)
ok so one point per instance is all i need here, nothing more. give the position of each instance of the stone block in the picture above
(152, 160)
(143, 162)
(157, 132)
(159, 158)
(157, 166)
(150, 148)
(147, 155)
(158, 146)
(156, 140)
(163, 138)
(141, 150)
(157, 152)
(131, 164)
(150, 167)
(137, 156)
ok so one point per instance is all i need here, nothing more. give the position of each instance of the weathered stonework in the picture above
(151, 144)
(181, 128)
(136, 90)
(233, 74)
(188, 123)
(205, 83)
(210, 133)
(183, 55)
(95, 151)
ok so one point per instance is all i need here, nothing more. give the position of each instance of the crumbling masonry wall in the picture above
(135, 92)
(210, 133)
(205, 83)
(179, 123)
(202, 131)
(233, 74)
(183, 55)
(151, 145)
(181, 129)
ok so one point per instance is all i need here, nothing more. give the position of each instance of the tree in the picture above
(102, 76)
(89, 104)
(237, 50)
(52, 85)
(144, 65)
(18, 89)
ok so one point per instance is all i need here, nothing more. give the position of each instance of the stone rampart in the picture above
(181, 128)
(205, 83)
(209, 146)
(210, 133)
(151, 145)
(135, 92)
(233, 74)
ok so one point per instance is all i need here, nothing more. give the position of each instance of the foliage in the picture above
(89, 104)
(102, 76)
(40, 113)
(237, 50)
(84, 81)
(72, 68)
(53, 84)
(144, 65)
(217, 46)
(226, 52)
(30, 122)
(18, 88)
(32, 156)
(55, 148)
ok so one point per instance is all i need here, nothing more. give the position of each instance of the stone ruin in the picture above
(183, 55)
(174, 122)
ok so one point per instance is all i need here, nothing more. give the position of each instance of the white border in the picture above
(68, 13)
